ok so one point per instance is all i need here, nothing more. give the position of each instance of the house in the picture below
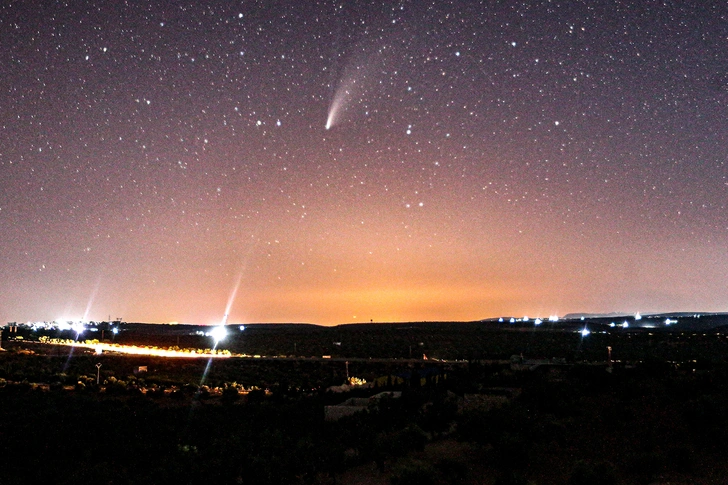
(488, 399)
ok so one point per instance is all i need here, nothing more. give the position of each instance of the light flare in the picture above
(231, 298)
(91, 300)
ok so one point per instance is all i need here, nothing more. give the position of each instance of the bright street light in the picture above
(218, 333)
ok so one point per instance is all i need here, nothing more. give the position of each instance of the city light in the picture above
(78, 327)
(218, 334)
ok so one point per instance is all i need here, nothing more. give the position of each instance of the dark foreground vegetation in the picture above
(651, 421)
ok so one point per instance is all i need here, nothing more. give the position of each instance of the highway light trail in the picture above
(141, 350)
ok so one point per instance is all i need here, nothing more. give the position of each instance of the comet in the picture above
(341, 99)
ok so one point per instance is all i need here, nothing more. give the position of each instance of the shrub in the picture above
(413, 472)
(587, 472)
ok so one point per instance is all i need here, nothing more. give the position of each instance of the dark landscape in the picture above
(465, 402)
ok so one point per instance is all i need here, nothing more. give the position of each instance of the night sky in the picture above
(332, 162)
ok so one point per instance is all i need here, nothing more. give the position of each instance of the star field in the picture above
(357, 161)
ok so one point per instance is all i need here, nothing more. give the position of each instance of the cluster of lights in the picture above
(537, 321)
(78, 326)
(625, 324)
(61, 324)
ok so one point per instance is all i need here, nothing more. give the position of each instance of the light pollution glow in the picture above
(486, 161)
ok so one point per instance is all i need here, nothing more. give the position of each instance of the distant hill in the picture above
(670, 322)
(578, 316)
